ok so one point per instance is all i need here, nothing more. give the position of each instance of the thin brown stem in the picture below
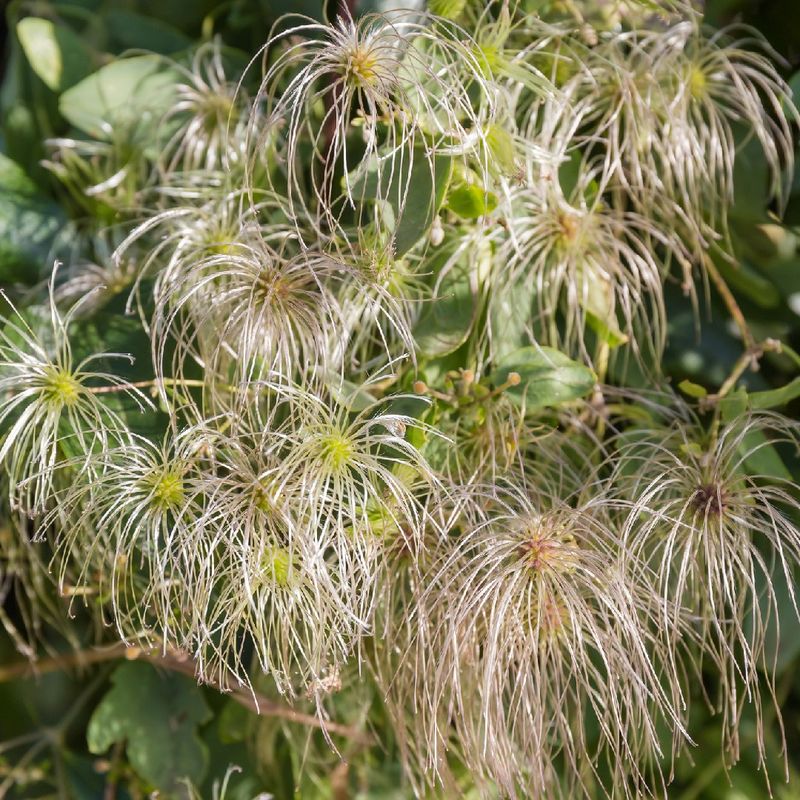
(730, 302)
(176, 662)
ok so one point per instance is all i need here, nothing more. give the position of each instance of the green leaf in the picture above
(782, 634)
(509, 315)
(131, 89)
(55, 53)
(445, 322)
(776, 397)
(470, 201)
(415, 197)
(606, 328)
(232, 722)
(133, 30)
(759, 457)
(746, 280)
(157, 716)
(596, 299)
(692, 389)
(549, 378)
(734, 405)
(424, 199)
(353, 397)
(750, 179)
(501, 147)
(29, 222)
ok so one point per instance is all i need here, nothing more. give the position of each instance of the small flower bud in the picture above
(514, 379)
(420, 387)
(437, 232)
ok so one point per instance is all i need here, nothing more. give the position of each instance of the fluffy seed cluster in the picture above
(379, 296)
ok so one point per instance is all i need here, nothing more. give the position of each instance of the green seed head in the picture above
(698, 82)
(62, 388)
(264, 496)
(337, 451)
(277, 566)
(168, 489)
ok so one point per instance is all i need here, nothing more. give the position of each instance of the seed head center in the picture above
(63, 388)
(168, 489)
(710, 499)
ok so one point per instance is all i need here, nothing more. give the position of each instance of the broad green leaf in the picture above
(597, 300)
(509, 315)
(470, 201)
(794, 85)
(776, 397)
(734, 405)
(750, 180)
(29, 223)
(157, 716)
(446, 321)
(745, 279)
(569, 172)
(82, 777)
(449, 9)
(57, 55)
(415, 197)
(348, 394)
(549, 378)
(424, 199)
(606, 328)
(782, 635)
(232, 722)
(501, 146)
(760, 458)
(130, 89)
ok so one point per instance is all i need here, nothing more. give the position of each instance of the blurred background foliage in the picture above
(121, 729)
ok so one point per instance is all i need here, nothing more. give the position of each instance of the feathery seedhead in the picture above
(207, 121)
(588, 265)
(532, 625)
(47, 407)
(336, 450)
(712, 529)
(548, 545)
(710, 499)
(258, 575)
(128, 528)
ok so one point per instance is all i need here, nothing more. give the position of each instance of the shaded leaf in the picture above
(776, 397)
(137, 88)
(415, 197)
(549, 377)
(157, 716)
(54, 52)
(446, 321)
(759, 457)
(509, 316)
(130, 29)
(29, 223)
